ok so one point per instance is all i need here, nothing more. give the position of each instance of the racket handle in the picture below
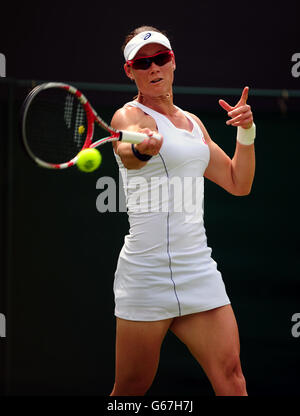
(135, 137)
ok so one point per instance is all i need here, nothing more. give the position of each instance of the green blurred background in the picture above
(59, 255)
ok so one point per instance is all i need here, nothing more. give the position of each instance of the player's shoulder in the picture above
(127, 115)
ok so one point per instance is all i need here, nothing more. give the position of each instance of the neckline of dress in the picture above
(170, 122)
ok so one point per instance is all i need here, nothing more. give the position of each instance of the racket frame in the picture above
(92, 117)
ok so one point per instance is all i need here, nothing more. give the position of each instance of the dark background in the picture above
(59, 254)
(217, 44)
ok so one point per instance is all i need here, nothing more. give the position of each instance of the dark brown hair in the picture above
(138, 30)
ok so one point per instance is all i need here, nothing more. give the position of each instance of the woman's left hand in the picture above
(241, 114)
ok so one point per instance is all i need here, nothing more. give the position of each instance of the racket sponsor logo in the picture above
(2, 66)
(296, 67)
(296, 327)
(2, 326)
(155, 194)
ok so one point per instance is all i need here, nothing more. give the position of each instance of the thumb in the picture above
(225, 105)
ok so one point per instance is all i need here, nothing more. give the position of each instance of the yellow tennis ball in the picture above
(81, 129)
(89, 160)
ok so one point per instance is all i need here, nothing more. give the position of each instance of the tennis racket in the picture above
(58, 122)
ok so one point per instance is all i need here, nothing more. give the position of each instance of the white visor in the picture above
(143, 39)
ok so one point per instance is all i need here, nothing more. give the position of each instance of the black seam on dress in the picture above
(168, 242)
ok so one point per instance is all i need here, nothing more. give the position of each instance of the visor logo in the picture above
(147, 36)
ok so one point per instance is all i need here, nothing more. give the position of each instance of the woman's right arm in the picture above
(134, 119)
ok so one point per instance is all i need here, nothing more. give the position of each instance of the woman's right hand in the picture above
(149, 146)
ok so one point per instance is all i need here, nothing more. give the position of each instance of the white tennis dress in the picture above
(165, 267)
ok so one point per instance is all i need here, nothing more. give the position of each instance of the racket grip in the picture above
(135, 137)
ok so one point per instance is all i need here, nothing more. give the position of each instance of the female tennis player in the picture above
(165, 277)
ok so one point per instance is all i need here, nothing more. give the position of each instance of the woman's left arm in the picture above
(234, 175)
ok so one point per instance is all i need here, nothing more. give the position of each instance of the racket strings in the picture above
(56, 126)
(68, 109)
(80, 126)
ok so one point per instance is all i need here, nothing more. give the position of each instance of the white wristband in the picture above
(246, 136)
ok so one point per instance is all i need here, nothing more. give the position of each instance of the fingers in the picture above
(242, 117)
(239, 110)
(225, 105)
(244, 96)
(149, 146)
(242, 101)
(241, 114)
(240, 121)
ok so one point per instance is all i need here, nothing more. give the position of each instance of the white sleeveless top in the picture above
(165, 268)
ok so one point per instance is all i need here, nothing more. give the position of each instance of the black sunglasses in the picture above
(159, 59)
